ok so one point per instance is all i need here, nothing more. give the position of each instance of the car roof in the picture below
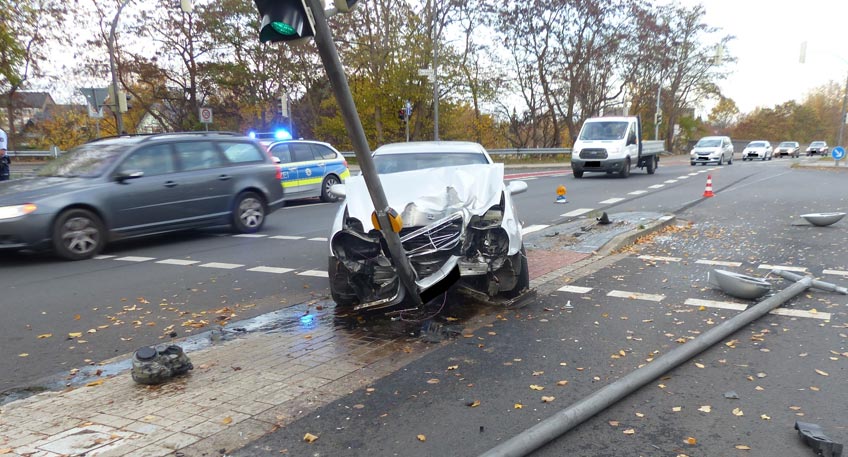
(139, 138)
(715, 137)
(276, 142)
(609, 119)
(442, 147)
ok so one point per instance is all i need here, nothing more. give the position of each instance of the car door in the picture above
(142, 204)
(289, 171)
(203, 181)
(310, 169)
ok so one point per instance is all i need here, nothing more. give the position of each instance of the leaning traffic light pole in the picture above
(288, 20)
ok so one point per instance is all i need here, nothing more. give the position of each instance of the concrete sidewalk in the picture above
(244, 387)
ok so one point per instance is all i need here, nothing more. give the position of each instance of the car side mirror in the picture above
(128, 174)
(516, 187)
(338, 190)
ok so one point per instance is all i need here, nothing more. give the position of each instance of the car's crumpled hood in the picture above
(31, 190)
(472, 188)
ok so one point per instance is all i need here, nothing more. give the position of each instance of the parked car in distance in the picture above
(458, 225)
(817, 147)
(129, 186)
(709, 149)
(759, 149)
(309, 168)
(788, 148)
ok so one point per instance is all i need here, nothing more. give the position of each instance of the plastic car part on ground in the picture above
(814, 436)
(155, 365)
(823, 219)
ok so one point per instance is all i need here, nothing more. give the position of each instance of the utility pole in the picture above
(119, 117)
(842, 118)
(435, 74)
(657, 116)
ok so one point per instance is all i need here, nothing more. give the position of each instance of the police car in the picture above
(309, 168)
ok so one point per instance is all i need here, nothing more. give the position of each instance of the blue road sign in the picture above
(838, 153)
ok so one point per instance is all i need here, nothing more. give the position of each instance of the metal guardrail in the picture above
(52, 153)
(509, 152)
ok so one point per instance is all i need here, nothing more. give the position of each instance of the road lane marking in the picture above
(635, 295)
(178, 262)
(131, 258)
(575, 289)
(637, 192)
(287, 237)
(533, 228)
(782, 267)
(250, 235)
(693, 174)
(276, 270)
(104, 257)
(719, 262)
(660, 258)
(223, 266)
(612, 200)
(801, 313)
(716, 304)
(670, 181)
(656, 186)
(577, 212)
(836, 272)
(318, 238)
(683, 177)
(315, 273)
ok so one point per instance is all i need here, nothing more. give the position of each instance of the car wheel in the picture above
(329, 181)
(248, 213)
(720, 160)
(578, 173)
(652, 165)
(692, 163)
(625, 172)
(730, 160)
(78, 234)
(340, 289)
(522, 281)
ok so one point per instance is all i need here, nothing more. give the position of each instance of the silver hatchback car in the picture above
(130, 186)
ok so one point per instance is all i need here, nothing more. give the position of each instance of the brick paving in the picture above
(239, 389)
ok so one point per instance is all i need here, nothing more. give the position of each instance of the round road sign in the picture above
(838, 153)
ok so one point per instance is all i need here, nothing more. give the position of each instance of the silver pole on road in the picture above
(563, 421)
(842, 118)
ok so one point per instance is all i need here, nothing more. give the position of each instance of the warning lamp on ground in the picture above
(561, 191)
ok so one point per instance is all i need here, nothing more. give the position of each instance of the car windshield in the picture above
(708, 143)
(395, 163)
(610, 130)
(817, 144)
(787, 144)
(86, 161)
(756, 144)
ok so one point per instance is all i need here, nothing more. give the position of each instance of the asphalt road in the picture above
(154, 289)
(477, 391)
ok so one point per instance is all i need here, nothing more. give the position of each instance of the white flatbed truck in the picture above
(614, 145)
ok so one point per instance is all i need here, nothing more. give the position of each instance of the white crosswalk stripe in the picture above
(719, 262)
(533, 228)
(250, 235)
(636, 295)
(836, 272)
(318, 238)
(287, 237)
(766, 266)
(178, 262)
(577, 212)
(637, 192)
(104, 257)
(131, 258)
(223, 266)
(801, 313)
(575, 289)
(660, 258)
(276, 270)
(716, 304)
(612, 200)
(315, 273)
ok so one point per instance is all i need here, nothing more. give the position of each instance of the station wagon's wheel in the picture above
(329, 181)
(78, 234)
(248, 213)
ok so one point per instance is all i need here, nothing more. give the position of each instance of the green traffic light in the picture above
(282, 28)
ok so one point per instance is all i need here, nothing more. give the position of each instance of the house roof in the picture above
(38, 100)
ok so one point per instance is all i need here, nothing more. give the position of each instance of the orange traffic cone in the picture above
(708, 192)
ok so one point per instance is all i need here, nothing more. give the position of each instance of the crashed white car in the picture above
(459, 226)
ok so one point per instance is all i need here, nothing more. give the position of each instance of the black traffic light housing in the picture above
(283, 20)
(402, 114)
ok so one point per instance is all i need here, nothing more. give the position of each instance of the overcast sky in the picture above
(768, 42)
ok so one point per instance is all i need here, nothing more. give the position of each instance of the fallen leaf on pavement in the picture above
(45, 335)
(705, 409)
(309, 438)
(691, 441)
(640, 415)
(629, 431)
(227, 420)
(699, 365)
(738, 412)
(6, 450)
(453, 367)
(613, 423)
(77, 317)
(474, 403)
(95, 383)
(548, 399)
(677, 409)
(562, 383)
(432, 381)
(535, 387)
(421, 438)
(23, 354)
(823, 373)
(518, 406)
(742, 447)
(538, 373)
(765, 417)
(74, 335)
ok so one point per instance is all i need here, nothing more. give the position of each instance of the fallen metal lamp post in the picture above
(563, 421)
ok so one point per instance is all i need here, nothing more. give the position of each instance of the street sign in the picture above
(838, 153)
(94, 96)
(408, 108)
(95, 113)
(425, 72)
(206, 115)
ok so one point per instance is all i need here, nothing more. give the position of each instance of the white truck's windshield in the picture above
(608, 130)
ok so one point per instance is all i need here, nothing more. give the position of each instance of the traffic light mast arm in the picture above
(341, 90)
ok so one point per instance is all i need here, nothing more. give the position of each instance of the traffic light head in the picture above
(283, 20)
(402, 114)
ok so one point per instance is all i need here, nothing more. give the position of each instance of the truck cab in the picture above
(611, 145)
